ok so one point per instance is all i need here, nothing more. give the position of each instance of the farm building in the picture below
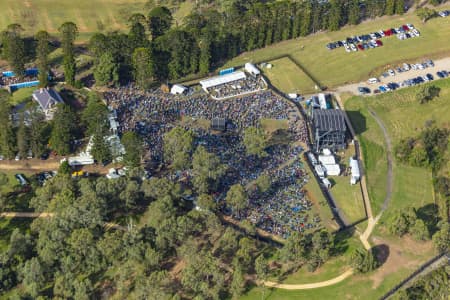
(329, 129)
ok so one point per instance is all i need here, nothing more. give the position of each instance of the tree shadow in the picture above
(429, 214)
(358, 121)
(381, 252)
(341, 241)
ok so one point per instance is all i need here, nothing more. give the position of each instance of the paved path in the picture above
(307, 286)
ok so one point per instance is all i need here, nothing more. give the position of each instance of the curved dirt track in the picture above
(307, 286)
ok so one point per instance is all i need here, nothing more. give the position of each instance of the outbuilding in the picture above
(354, 166)
(178, 89)
(252, 69)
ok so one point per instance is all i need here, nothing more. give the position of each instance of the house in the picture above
(47, 99)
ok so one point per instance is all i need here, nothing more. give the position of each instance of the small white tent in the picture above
(178, 89)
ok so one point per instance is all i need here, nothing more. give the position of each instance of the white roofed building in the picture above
(219, 80)
(178, 89)
(327, 159)
(333, 170)
(252, 69)
(356, 175)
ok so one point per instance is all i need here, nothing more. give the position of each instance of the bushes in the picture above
(363, 261)
(427, 93)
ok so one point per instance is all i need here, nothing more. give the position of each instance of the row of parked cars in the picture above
(406, 67)
(444, 13)
(372, 40)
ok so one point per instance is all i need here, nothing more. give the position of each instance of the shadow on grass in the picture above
(381, 252)
(358, 121)
(429, 214)
(341, 241)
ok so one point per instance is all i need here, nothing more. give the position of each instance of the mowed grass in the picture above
(89, 15)
(287, 77)
(403, 117)
(337, 67)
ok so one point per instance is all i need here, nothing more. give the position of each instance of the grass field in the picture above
(337, 67)
(286, 76)
(89, 15)
(403, 117)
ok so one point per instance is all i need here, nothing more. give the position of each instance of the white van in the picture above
(373, 80)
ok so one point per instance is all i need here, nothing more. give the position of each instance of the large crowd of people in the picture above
(6, 81)
(281, 209)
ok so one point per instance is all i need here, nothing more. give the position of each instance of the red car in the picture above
(360, 47)
(405, 28)
(379, 43)
(388, 32)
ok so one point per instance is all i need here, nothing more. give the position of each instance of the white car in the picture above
(406, 67)
(373, 80)
(353, 47)
(416, 32)
(391, 72)
(2, 157)
(381, 33)
(410, 26)
(17, 158)
(347, 48)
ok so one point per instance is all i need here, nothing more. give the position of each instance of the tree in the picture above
(33, 276)
(69, 33)
(64, 168)
(399, 7)
(142, 67)
(14, 48)
(64, 130)
(390, 7)
(23, 143)
(207, 170)
(335, 15)
(100, 148)
(294, 249)
(427, 93)
(178, 146)
(39, 131)
(159, 21)
(237, 284)
(133, 148)
(205, 201)
(263, 183)
(262, 271)
(419, 157)
(237, 198)
(402, 221)
(255, 142)
(419, 230)
(205, 56)
(136, 36)
(441, 238)
(95, 115)
(425, 13)
(354, 12)
(362, 260)
(7, 138)
(42, 52)
(106, 70)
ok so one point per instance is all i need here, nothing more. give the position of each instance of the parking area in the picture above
(400, 78)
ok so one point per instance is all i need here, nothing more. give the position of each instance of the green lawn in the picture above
(22, 95)
(336, 67)
(403, 116)
(288, 78)
(89, 15)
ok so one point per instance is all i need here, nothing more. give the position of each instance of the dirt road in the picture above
(307, 286)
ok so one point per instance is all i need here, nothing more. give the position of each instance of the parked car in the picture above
(429, 76)
(440, 74)
(17, 158)
(45, 155)
(363, 90)
(391, 72)
(21, 179)
(373, 80)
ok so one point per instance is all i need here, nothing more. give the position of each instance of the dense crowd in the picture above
(5, 81)
(279, 211)
(239, 87)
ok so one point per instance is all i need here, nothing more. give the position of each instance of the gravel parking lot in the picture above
(439, 65)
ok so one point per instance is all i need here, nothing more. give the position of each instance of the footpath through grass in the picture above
(337, 67)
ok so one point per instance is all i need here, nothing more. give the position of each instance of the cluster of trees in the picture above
(431, 286)
(363, 260)
(427, 150)
(312, 249)
(153, 48)
(427, 93)
(64, 255)
(406, 221)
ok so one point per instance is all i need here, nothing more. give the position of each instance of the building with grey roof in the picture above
(329, 129)
(47, 99)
